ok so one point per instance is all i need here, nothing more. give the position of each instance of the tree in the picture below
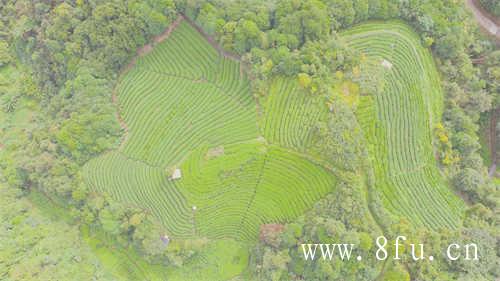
(397, 273)
(307, 20)
(342, 13)
(304, 80)
(339, 139)
(492, 6)
(5, 56)
(469, 180)
(246, 35)
(35, 246)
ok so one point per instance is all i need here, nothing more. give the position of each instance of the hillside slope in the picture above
(398, 121)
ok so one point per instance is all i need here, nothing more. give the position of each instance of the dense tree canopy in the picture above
(35, 247)
(491, 6)
(73, 52)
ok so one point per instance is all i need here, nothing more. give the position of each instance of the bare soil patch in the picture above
(269, 233)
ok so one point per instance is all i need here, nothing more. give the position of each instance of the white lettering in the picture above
(345, 250)
(328, 252)
(309, 253)
(448, 253)
(381, 248)
(396, 256)
(467, 251)
(421, 252)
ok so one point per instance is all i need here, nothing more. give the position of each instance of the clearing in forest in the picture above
(397, 121)
(188, 107)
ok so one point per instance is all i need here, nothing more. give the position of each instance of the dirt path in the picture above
(160, 38)
(485, 20)
(142, 51)
(123, 125)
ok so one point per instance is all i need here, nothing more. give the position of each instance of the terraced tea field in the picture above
(289, 115)
(398, 122)
(249, 185)
(183, 95)
(187, 106)
(143, 185)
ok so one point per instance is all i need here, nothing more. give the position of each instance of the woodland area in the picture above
(68, 56)
(491, 6)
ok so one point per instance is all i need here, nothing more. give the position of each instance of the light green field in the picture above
(186, 106)
(251, 184)
(289, 115)
(398, 122)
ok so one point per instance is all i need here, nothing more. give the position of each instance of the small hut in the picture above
(165, 239)
(176, 174)
(387, 64)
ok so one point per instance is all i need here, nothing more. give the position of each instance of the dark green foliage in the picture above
(75, 49)
(36, 247)
(492, 6)
(106, 35)
(339, 138)
(5, 56)
(341, 217)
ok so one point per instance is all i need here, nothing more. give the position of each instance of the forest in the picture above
(274, 113)
(491, 6)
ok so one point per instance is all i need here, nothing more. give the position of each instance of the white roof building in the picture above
(176, 174)
(387, 64)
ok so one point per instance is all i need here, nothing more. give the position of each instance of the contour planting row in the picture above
(289, 115)
(400, 119)
(218, 260)
(188, 107)
(288, 187)
(400, 83)
(408, 134)
(185, 53)
(182, 95)
(178, 97)
(221, 186)
(169, 117)
(249, 185)
(139, 184)
(398, 30)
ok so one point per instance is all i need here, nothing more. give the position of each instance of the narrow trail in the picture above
(122, 123)
(488, 22)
